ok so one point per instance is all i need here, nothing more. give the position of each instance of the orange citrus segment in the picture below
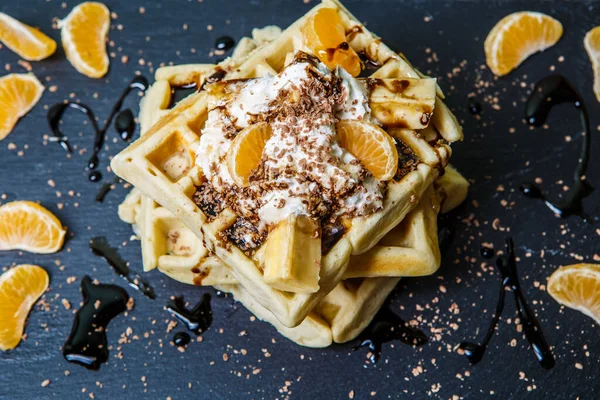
(371, 145)
(324, 35)
(577, 286)
(18, 94)
(25, 225)
(516, 37)
(83, 33)
(28, 42)
(592, 46)
(20, 287)
(245, 152)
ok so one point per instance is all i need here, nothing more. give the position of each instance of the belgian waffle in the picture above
(162, 165)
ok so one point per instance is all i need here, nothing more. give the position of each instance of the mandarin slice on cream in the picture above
(245, 152)
(371, 145)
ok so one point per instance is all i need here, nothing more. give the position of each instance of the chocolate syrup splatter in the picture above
(486, 251)
(106, 187)
(385, 327)
(507, 265)
(56, 112)
(224, 43)
(198, 319)
(474, 106)
(100, 247)
(95, 176)
(86, 344)
(550, 91)
(181, 339)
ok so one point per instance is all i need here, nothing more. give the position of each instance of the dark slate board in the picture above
(491, 157)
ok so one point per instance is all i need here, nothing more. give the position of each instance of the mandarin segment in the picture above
(245, 152)
(28, 42)
(20, 287)
(83, 33)
(516, 37)
(592, 46)
(578, 287)
(324, 35)
(18, 94)
(27, 226)
(371, 145)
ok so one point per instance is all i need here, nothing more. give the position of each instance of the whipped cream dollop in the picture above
(303, 171)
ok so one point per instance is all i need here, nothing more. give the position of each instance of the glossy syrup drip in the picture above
(100, 247)
(125, 124)
(86, 344)
(181, 339)
(224, 43)
(217, 76)
(385, 327)
(550, 91)
(56, 112)
(106, 187)
(533, 332)
(198, 319)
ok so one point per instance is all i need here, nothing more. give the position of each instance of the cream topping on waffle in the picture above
(303, 171)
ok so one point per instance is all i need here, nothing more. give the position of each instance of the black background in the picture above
(495, 160)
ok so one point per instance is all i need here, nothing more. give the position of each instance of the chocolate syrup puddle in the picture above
(385, 327)
(533, 332)
(86, 344)
(125, 124)
(56, 112)
(550, 91)
(181, 339)
(224, 43)
(179, 93)
(198, 319)
(100, 247)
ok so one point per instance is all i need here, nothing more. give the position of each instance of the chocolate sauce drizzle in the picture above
(550, 91)
(507, 265)
(86, 344)
(100, 247)
(198, 319)
(385, 327)
(56, 112)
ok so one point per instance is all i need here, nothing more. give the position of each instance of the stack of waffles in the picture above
(318, 276)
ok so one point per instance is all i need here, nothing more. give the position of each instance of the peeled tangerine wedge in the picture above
(27, 226)
(293, 255)
(20, 287)
(83, 33)
(592, 46)
(18, 94)
(577, 286)
(373, 147)
(516, 37)
(245, 152)
(324, 35)
(28, 42)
